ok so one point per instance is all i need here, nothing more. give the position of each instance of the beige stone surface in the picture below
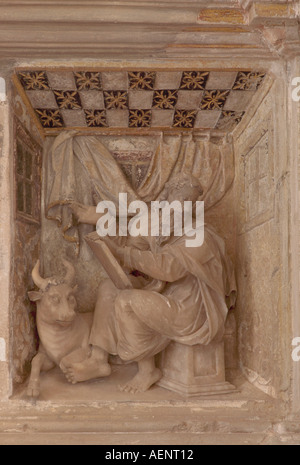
(237, 100)
(161, 118)
(92, 99)
(61, 80)
(220, 80)
(74, 117)
(42, 99)
(188, 100)
(117, 118)
(167, 80)
(140, 99)
(207, 118)
(114, 81)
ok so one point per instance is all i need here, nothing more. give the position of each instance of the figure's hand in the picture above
(84, 213)
(114, 248)
(79, 210)
(120, 253)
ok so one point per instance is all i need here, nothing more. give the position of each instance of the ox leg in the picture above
(39, 362)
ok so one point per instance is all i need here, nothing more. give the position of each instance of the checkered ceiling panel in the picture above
(139, 99)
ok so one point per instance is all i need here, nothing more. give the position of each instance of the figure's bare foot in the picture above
(90, 368)
(76, 356)
(142, 381)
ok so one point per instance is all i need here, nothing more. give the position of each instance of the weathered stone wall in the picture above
(262, 252)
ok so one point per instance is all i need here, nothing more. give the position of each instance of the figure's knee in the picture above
(131, 295)
(106, 287)
(128, 299)
(124, 298)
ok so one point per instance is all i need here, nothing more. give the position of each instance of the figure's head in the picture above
(55, 298)
(183, 187)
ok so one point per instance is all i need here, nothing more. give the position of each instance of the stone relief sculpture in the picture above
(187, 302)
(63, 332)
(176, 294)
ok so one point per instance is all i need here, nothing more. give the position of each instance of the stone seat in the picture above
(194, 370)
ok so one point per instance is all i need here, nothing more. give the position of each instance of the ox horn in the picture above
(70, 273)
(40, 282)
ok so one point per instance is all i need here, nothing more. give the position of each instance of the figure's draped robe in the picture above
(191, 309)
(200, 285)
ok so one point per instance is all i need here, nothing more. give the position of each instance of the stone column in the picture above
(5, 240)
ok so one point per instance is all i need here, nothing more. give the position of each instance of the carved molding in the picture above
(164, 29)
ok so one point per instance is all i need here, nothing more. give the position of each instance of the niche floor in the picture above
(55, 388)
(97, 413)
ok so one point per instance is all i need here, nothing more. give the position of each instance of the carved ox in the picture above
(62, 331)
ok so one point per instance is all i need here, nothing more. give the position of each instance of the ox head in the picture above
(56, 300)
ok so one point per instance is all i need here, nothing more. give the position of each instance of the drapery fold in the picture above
(212, 164)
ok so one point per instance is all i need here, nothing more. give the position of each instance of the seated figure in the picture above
(185, 297)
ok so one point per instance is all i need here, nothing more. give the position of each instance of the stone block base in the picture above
(194, 370)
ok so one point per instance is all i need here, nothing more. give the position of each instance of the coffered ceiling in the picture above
(143, 64)
(149, 99)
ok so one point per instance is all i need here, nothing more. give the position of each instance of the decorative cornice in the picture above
(141, 29)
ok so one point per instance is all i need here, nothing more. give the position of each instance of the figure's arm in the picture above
(162, 266)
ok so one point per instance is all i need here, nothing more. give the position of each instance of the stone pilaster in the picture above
(5, 241)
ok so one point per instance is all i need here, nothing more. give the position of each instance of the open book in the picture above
(108, 261)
